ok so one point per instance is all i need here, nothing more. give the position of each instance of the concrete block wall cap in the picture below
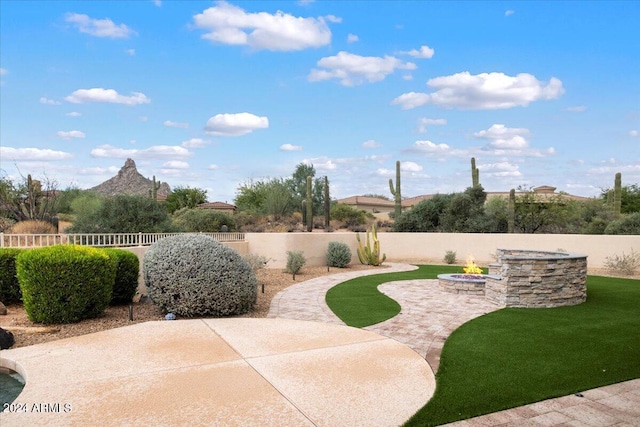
(531, 254)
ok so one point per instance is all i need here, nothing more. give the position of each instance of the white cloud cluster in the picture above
(352, 69)
(633, 133)
(426, 146)
(290, 147)
(229, 24)
(485, 91)
(32, 154)
(502, 137)
(73, 114)
(423, 122)
(176, 164)
(48, 101)
(70, 134)
(424, 52)
(577, 109)
(371, 143)
(500, 169)
(509, 12)
(195, 143)
(352, 38)
(98, 94)
(99, 27)
(155, 152)
(235, 124)
(130, 52)
(170, 124)
(411, 167)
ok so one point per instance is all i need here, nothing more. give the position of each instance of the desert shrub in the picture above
(338, 254)
(295, 262)
(257, 262)
(203, 220)
(9, 287)
(65, 283)
(349, 215)
(127, 272)
(32, 226)
(450, 257)
(626, 264)
(5, 224)
(628, 224)
(194, 275)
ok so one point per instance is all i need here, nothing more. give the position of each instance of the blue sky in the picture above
(215, 94)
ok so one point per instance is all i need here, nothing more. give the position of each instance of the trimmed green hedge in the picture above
(65, 283)
(9, 287)
(127, 271)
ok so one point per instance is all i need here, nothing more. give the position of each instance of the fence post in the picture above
(2, 240)
(139, 238)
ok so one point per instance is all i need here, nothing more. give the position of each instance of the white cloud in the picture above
(32, 154)
(70, 134)
(431, 147)
(509, 12)
(410, 100)
(73, 114)
(290, 147)
(424, 52)
(305, 2)
(99, 94)
(371, 144)
(158, 3)
(424, 122)
(229, 24)
(577, 109)
(213, 167)
(195, 143)
(130, 52)
(633, 133)
(48, 101)
(407, 77)
(98, 171)
(155, 152)
(353, 69)
(327, 165)
(99, 27)
(352, 38)
(500, 169)
(410, 167)
(502, 137)
(3, 71)
(485, 91)
(235, 124)
(176, 164)
(170, 124)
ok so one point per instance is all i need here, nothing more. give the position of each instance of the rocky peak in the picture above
(130, 181)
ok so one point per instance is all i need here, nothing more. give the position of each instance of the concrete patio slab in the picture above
(227, 372)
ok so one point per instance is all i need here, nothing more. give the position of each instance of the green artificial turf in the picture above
(357, 302)
(513, 357)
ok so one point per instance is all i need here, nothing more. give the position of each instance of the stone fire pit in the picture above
(526, 278)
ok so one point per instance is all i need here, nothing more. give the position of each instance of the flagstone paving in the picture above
(427, 318)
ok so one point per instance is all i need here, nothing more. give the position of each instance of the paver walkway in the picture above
(428, 317)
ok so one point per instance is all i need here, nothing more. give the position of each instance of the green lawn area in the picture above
(513, 357)
(357, 302)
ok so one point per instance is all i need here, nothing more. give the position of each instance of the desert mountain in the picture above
(130, 181)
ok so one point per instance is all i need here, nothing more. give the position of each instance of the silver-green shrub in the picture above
(194, 275)
(450, 257)
(338, 255)
(295, 261)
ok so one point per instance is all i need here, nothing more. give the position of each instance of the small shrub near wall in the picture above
(295, 262)
(450, 257)
(194, 275)
(65, 283)
(9, 287)
(338, 255)
(127, 272)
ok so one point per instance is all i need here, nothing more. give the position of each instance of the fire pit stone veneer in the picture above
(526, 278)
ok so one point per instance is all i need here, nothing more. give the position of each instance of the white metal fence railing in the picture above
(99, 239)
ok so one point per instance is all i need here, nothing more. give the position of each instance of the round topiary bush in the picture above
(65, 283)
(194, 275)
(338, 255)
(127, 271)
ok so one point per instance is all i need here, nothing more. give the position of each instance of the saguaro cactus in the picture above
(511, 220)
(309, 206)
(153, 193)
(396, 192)
(475, 173)
(617, 194)
(327, 204)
